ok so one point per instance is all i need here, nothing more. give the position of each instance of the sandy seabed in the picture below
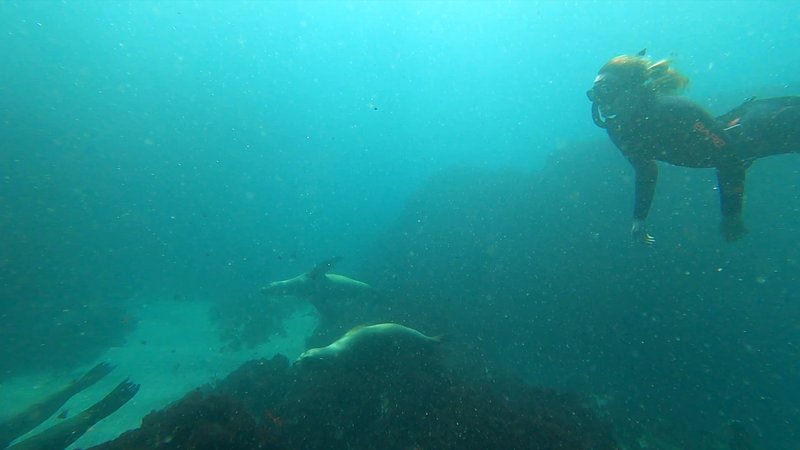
(174, 349)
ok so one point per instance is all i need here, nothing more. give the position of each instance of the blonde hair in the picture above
(657, 76)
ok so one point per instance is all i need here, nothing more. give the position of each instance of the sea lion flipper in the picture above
(323, 267)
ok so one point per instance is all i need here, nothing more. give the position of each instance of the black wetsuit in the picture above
(677, 131)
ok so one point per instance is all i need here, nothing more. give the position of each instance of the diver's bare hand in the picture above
(640, 234)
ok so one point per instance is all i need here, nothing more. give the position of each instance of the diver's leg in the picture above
(34, 415)
(65, 433)
(771, 127)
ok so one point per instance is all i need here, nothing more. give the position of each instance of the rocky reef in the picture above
(421, 399)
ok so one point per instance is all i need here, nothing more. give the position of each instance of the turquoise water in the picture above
(196, 150)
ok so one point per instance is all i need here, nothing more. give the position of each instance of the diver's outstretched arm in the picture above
(65, 433)
(34, 415)
(645, 189)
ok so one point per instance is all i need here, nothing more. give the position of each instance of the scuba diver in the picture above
(70, 429)
(635, 100)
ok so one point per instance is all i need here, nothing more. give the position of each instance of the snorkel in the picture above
(597, 116)
(599, 94)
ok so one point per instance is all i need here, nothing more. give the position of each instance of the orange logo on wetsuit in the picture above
(716, 140)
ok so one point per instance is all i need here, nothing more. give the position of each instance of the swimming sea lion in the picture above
(372, 342)
(318, 283)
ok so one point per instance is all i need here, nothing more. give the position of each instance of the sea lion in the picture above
(318, 283)
(371, 343)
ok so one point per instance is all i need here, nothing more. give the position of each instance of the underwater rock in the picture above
(413, 399)
(382, 387)
(420, 403)
(197, 422)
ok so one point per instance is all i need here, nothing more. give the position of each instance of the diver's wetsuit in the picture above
(677, 131)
